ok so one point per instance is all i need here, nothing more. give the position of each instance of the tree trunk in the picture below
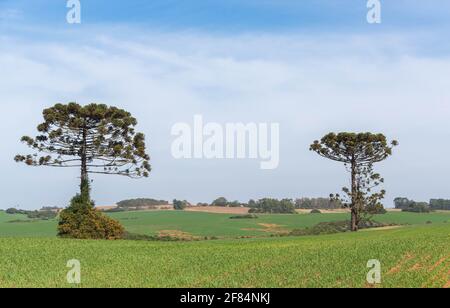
(84, 185)
(354, 221)
(354, 205)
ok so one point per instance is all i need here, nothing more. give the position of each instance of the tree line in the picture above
(408, 205)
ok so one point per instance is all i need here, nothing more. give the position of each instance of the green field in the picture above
(417, 255)
(207, 224)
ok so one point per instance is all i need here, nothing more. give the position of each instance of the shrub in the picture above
(247, 216)
(335, 227)
(43, 215)
(12, 211)
(315, 211)
(81, 221)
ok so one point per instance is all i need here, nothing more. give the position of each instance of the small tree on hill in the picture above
(358, 152)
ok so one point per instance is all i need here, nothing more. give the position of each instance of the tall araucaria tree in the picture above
(95, 138)
(358, 151)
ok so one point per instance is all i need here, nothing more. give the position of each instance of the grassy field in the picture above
(208, 224)
(417, 255)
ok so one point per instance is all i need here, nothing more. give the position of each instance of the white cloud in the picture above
(310, 85)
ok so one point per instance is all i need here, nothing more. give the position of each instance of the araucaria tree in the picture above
(358, 151)
(96, 138)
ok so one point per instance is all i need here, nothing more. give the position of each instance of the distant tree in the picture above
(203, 204)
(141, 202)
(317, 203)
(358, 152)
(179, 205)
(234, 204)
(220, 202)
(251, 203)
(268, 205)
(440, 204)
(417, 207)
(13, 211)
(402, 203)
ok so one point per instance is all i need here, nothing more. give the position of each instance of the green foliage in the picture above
(202, 204)
(40, 215)
(403, 203)
(234, 204)
(43, 215)
(267, 205)
(418, 207)
(323, 228)
(316, 211)
(375, 209)
(180, 205)
(95, 137)
(318, 203)
(412, 206)
(141, 203)
(361, 147)
(440, 204)
(13, 211)
(358, 152)
(81, 221)
(335, 227)
(222, 201)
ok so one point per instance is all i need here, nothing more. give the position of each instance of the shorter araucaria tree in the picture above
(97, 139)
(359, 152)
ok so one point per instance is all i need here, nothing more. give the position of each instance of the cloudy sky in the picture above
(313, 66)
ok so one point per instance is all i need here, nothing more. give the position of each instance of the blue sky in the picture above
(239, 15)
(313, 66)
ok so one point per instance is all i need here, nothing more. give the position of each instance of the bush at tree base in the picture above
(81, 221)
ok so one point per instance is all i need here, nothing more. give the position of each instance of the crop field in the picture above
(414, 255)
(200, 224)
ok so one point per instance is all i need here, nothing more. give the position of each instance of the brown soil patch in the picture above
(439, 262)
(447, 285)
(269, 228)
(381, 228)
(416, 267)
(185, 236)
